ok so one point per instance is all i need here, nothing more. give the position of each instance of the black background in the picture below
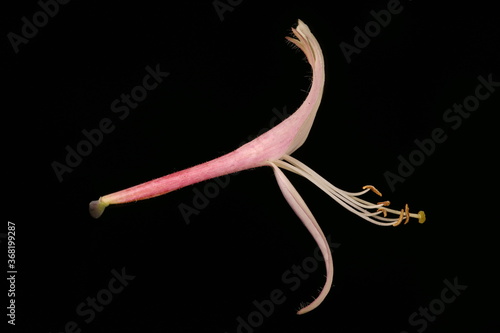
(225, 79)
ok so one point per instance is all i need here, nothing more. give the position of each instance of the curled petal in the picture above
(300, 208)
(303, 118)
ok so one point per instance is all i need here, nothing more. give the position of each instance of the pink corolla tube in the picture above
(274, 149)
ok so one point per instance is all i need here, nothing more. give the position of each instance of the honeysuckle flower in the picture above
(274, 149)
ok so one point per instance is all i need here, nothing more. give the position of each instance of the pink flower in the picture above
(273, 149)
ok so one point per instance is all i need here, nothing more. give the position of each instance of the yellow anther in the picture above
(384, 203)
(421, 216)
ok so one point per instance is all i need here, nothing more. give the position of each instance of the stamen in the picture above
(407, 213)
(374, 213)
(371, 187)
(398, 222)
(383, 210)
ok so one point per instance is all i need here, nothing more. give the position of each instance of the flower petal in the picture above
(303, 118)
(282, 139)
(300, 208)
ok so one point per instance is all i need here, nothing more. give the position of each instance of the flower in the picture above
(273, 148)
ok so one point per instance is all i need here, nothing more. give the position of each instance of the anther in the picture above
(383, 210)
(398, 222)
(407, 213)
(371, 187)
